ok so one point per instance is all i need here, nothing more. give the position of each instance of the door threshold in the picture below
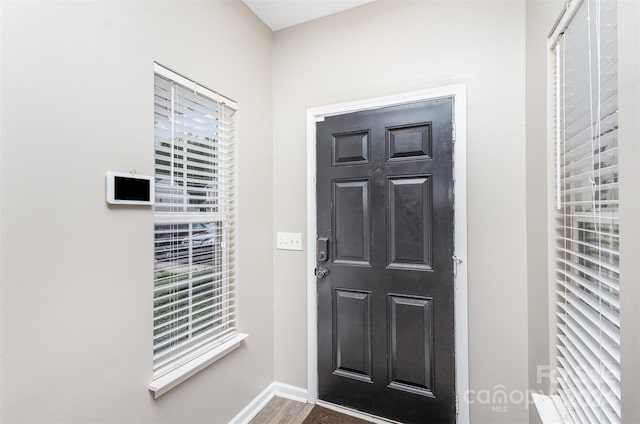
(355, 413)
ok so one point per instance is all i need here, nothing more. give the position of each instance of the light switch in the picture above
(289, 241)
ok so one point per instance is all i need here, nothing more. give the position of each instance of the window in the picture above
(586, 256)
(194, 308)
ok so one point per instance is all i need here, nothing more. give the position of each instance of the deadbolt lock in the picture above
(322, 249)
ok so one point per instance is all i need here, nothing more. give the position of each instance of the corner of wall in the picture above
(539, 19)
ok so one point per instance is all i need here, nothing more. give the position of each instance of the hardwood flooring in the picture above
(282, 411)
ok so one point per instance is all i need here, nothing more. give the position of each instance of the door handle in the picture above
(321, 273)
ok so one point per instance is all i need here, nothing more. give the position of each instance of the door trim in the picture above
(318, 114)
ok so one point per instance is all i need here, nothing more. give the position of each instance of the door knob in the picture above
(322, 272)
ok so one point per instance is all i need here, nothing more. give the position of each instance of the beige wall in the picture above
(390, 47)
(77, 100)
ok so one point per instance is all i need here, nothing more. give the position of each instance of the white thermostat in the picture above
(129, 189)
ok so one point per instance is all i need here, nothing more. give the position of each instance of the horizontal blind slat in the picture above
(592, 360)
(168, 315)
(184, 330)
(573, 307)
(611, 282)
(597, 261)
(591, 404)
(589, 378)
(593, 343)
(583, 402)
(611, 252)
(592, 295)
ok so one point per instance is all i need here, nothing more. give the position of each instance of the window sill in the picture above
(548, 410)
(163, 384)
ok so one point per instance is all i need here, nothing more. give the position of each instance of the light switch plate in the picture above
(288, 241)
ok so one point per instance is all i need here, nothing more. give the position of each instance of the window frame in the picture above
(572, 227)
(198, 206)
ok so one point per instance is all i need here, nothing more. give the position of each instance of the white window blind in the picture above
(587, 231)
(194, 297)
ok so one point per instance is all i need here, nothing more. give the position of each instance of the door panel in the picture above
(352, 332)
(352, 223)
(385, 309)
(409, 222)
(350, 148)
(409, 142)
(411, 344)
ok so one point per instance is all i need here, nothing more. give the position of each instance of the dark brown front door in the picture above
(385, 306)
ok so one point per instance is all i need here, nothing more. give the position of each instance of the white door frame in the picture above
(318, 114)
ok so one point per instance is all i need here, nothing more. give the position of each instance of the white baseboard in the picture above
(298, 394)
(274, 389)
(290, 392)
(254, 406)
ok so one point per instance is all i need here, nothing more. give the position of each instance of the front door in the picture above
(385, 262)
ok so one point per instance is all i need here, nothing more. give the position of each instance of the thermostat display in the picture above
(129, 189)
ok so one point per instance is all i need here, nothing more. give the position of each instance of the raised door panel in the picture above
(352, 334)
(352, 222)
(409, 242)
(411, 346)
(350, 148)
(409, 142)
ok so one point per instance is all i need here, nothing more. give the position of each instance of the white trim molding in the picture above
(197, 88)
(274, 389)
(162, 385)
(318, 114)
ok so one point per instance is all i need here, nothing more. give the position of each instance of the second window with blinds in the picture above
(586, 256)
(194, 308)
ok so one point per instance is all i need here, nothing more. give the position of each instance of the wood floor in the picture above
(282, 411)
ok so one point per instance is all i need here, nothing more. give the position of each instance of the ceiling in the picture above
(278, 14)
